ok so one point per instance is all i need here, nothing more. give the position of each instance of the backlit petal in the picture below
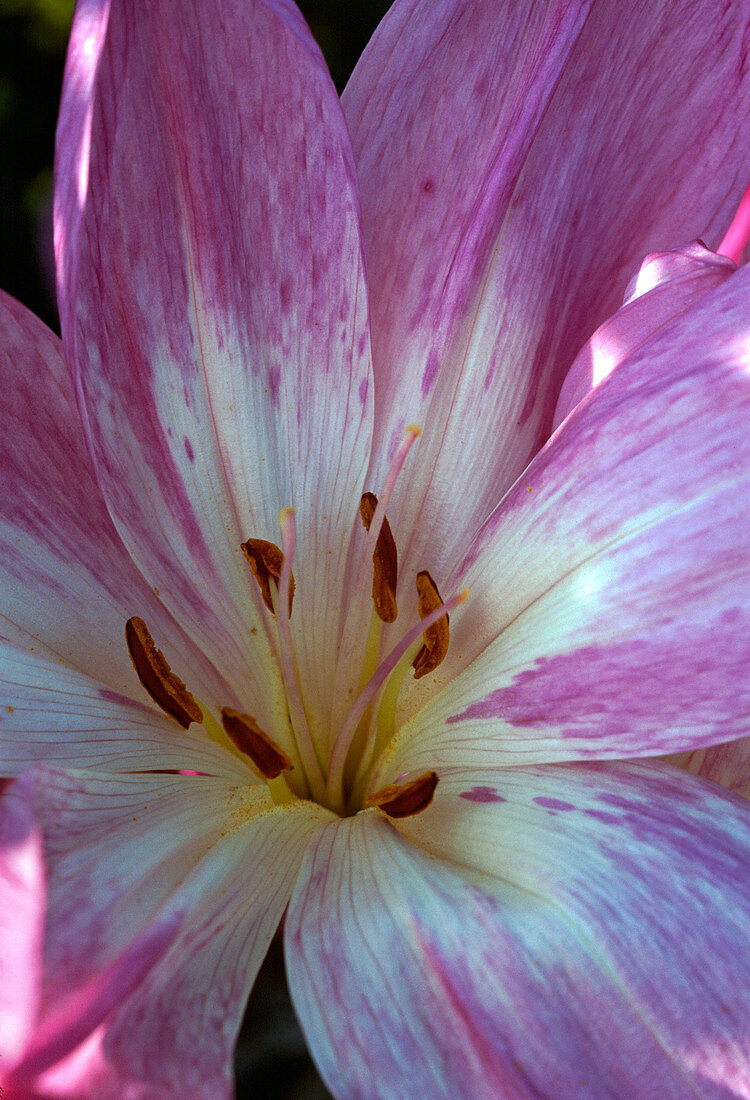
(609, 612)
(665, 285)
(22, 898)
(516, 162)
(217, 859)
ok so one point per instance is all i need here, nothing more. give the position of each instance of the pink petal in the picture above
(68, 583)
(580, 934)
(609, 614)
(22, 899)
(188, 874)
(516, 162)
(666, 285)
(214, 311)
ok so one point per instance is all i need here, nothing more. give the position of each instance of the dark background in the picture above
(33, 37)
(271, 1060)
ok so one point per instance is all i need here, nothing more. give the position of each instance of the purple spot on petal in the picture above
(603, 816)
(363, 391)
(482, 794)
(428, 186)
(430, 372)
(189, 450)
(274, 377)
(553, 803)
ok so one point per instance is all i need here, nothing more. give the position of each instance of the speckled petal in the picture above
(517, 162)
(574, 931)
(215, 314)
(610, 609)
(67, 583)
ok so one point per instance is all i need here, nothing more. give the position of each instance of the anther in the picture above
(436, 637)
(266, 560)
(405, 799)
(385, 562)
(165, 688)
(268, 757)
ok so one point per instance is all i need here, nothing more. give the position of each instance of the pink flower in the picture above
(259, 294)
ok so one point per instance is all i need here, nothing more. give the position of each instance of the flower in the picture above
(539, 907)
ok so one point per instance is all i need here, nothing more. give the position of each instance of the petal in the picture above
(516, 162)
(665, 285)
(223, 869)
(68, 583)
(728, 764)
(610, 612)
(545, 952)
(53, 711)
(22, 898)
(214, 311)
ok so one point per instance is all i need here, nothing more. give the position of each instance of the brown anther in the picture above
(384, 560)
(165, 688)
(405, 799)
(249, 738)
(265, 560)
(436, 637)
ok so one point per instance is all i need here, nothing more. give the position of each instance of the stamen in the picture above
(405, 799)
(412, 433)
(366, 696)
(268, 757)
(165, 688)
(384, 560)
(309, 758)
(435, 637)
(266, 561)
(737, 236)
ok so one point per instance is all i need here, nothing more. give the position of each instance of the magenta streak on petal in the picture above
(189, 450)
(500, 1070)
(274, 379)
(121, 700)
(482, 794)
(603, 816)
(553, 803)
(430, 372)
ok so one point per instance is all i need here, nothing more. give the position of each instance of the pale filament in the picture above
(307, 753)
(411, 434)
(334, 783)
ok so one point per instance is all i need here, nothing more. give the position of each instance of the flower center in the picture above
(340, 782)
